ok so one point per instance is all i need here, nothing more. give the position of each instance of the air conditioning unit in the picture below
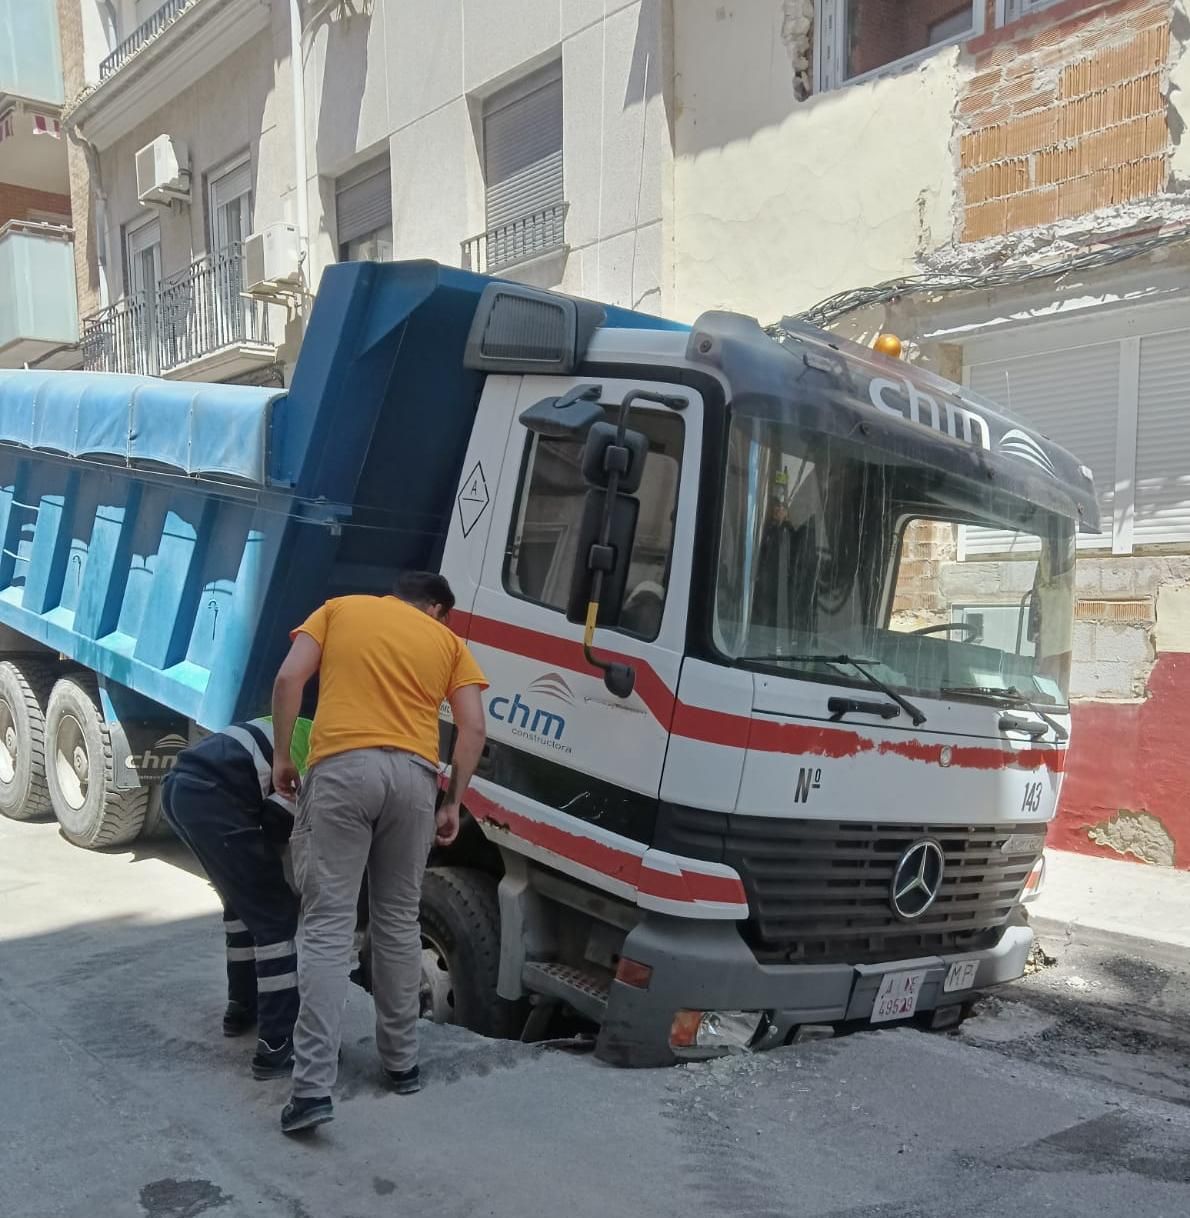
(273, 260)
(163, 171)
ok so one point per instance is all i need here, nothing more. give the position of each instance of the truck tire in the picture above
(80, 770)
(24, 794)
(155, 827)
(460, 923)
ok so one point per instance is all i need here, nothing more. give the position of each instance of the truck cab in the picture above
(824, 796)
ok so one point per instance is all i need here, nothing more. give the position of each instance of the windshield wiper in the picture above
(1010, 693)
(914, 712)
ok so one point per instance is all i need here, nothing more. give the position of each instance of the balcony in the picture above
(30, 62)
(143, 35)
(38, 310)
(519, 241)
(180, 43)
(196, 326)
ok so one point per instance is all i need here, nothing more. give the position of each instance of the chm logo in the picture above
(552, 685)
(527, 717)
(159, 759)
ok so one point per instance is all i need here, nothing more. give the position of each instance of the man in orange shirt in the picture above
(385, 665)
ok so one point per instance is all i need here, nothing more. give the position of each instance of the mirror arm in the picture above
(620, 679)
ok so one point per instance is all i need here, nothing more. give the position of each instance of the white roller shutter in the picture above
(522, 147)
(1163, 440)
(363, 202)
(1072, 397)
(232, 185)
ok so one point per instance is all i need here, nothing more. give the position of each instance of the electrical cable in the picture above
(839, 305)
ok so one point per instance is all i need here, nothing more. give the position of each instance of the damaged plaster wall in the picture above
(797, 33)
(1178, 98)
(779, 203)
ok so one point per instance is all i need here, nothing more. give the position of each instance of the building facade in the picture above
(1003, 185)
(38, 315)
(528, 139)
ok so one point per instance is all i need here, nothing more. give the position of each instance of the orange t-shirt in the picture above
(386, 669)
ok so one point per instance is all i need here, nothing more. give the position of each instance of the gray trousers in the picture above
(370, 808)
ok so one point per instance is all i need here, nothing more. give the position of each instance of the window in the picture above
(231, 206)
(858, 37)
(522, 168)
(543, 545)
(1024, 643)
(364, 213)
(1013, 10)
(143, 244)
(1113, 392)
(825, 553)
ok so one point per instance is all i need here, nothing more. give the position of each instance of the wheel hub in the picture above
(72, 762)
(8, 748)
(437, 990)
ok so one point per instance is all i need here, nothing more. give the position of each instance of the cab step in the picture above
(585, 992)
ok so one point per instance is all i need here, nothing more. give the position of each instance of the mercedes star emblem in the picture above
(917, 879)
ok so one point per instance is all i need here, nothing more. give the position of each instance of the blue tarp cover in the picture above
(210, 431)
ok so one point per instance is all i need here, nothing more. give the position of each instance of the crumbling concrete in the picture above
(797, 33)
(1137, 833)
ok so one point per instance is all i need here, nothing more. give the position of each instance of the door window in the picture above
(231, 207)
(543, 544)
(144, 285)
(231, 223)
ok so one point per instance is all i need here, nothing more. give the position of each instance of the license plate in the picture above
(1023, 843)
(897, 996)
(960, 976)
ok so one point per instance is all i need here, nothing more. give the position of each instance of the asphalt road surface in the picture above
(1067, 1095)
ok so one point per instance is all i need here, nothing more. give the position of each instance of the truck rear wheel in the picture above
(24, 794)
(80, 770)
(460, 958)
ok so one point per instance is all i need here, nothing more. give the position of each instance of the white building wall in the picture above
(411, 76)
(780, 203)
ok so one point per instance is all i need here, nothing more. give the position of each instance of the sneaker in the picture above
(270, 1062)
(306, 1112)
(405, 1082)
(238, 1018)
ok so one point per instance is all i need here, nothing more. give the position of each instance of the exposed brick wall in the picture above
(86, 266)
(886, 30)
(928, 546)
(17, 202)
(1066, 117)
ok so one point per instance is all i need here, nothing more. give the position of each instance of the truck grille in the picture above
(819, 890)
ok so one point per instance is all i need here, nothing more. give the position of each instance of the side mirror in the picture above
(611, 558)
(567, 416)
(606, 453)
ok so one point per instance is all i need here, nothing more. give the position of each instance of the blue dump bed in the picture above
(169, 534)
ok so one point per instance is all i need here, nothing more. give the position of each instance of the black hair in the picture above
(424, 588)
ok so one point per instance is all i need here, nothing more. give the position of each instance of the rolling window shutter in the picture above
(364, 203)
(1071, 396)
(522, 146)
(1163, 440)
(233, 185)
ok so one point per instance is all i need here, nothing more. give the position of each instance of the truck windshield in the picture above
(939, 585)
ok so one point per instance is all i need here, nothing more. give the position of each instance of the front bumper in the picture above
(707, 966)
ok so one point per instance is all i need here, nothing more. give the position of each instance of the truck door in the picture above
(561, 745)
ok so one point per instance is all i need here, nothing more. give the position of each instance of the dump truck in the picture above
(777, 629)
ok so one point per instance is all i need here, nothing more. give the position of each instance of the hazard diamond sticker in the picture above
(473, 499)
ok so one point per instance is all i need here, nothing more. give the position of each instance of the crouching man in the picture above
(219, 799)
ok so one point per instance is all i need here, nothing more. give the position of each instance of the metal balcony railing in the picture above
(192, 314)
(201, 309)
(145, 32)
(121, 338)
(540, 232)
